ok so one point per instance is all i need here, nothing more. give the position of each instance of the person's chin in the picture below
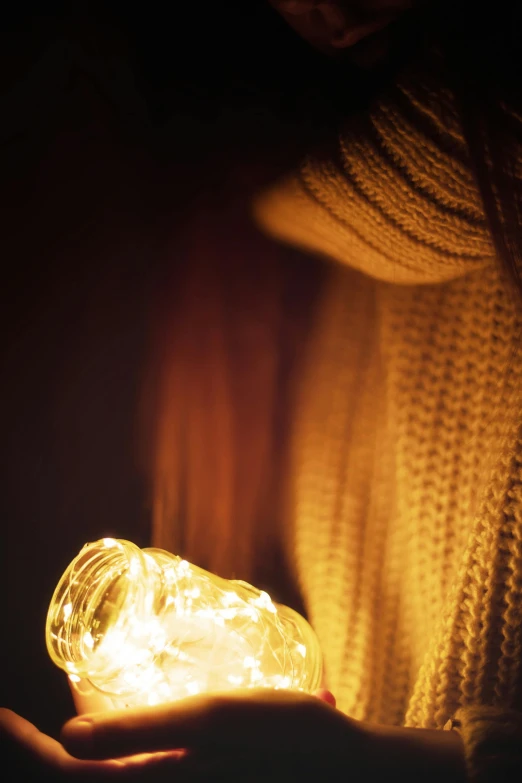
(371, 52)
(390, 46)
(367, 52)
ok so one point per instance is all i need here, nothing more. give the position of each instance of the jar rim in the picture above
(93, 586)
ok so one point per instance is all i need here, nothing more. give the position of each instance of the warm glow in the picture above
(145, 627)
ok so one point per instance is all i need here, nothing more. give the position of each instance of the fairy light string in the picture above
(144, 627)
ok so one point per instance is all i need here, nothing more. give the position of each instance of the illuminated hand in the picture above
(264, 734)
(28, 754)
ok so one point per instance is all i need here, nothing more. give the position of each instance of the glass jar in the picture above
(135, 627)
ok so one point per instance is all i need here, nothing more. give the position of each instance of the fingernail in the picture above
(326, 696)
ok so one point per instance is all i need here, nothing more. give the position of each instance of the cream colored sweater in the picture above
(407, 528)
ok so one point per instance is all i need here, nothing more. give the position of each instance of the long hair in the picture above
(231, 345)
(228, 338)
(232, 309)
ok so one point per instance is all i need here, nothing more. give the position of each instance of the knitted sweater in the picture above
(406, 529)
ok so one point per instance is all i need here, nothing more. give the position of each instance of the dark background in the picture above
(117, 125)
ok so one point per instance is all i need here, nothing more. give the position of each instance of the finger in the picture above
(42, 749)
(261, 719)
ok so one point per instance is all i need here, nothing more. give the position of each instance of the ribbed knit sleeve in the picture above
(397, 200)
(492, 739)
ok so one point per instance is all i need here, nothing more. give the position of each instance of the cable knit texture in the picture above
(407, 497)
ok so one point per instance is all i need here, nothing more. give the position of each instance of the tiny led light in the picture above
(144, 627)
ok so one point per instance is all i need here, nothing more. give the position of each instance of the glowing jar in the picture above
(137, 627)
